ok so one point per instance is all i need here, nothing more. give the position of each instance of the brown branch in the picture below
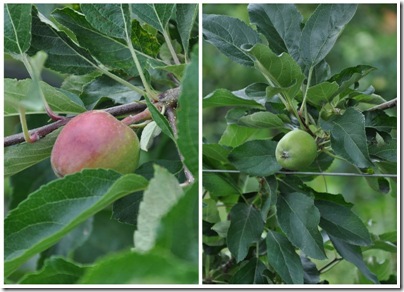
(45, 130)
(384, 105)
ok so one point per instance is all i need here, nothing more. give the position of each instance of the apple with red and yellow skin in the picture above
(95, 139)
(296, 150)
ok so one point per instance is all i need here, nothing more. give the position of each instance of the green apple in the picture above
(95, 139)
(296, 150)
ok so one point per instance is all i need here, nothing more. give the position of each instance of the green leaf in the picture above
(187, 116)
(311, 274)
(246, 226)
(350, 76)
(75, 83)
(56, 208)
(220, 185)
(105, 87)
(21, 156)
(283, 258)
(144, 41)
(17, 28)
(299, 218)
(160, 120)
(182, 222)
(321, 93)
(339, 221)
(126, 209)
(29, 180)
(110, 19)
(353, 254)
(236, 135)
(186, 15)
(156, 267)
(107, 236)
(56, 270)
(322, 30)
(255, 157)
(209, 211)
(177, 70)
(17, 91)
(107, 50)
(251, 273)
(348, 137)
(215, 152)
(156, 15)
(223, 97)
(280, 24)
(265, 120)
(63, 54)
(157, 201)
(254, 91)
(385, 151)
(229, 35)
(283, 71)
(149, 132)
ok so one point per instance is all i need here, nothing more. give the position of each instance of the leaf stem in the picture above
(303, 105)
(170, 47)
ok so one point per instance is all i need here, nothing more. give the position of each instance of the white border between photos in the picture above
(216, 287)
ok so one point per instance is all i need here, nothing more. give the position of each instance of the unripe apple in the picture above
(95, 139)
(296, 150)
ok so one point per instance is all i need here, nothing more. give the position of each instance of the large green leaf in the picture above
(161, 195)
(156, 267)
(182, 222)
(223, 97)
(322, 30)
(104, 87)
(106, 49)
(17, 28)
(255, 157)
(21, 156)
(265, 120)
(229, 35)
(321, 93)
(56, 270)
(17, 91)
(339, 221)
(280, 24)
(187, 116)
(353, 254)
(236, 135)
(156, 15)
(110, 19)
(348, 137)
(299, 218)
(220, 184)
(63, 54)
(56, 208)
(283, 258)
(282, 70)
(246, 226)
(186, 15)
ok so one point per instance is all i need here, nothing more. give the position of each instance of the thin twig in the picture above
(45, 130)
(384, 105)
(309, 173)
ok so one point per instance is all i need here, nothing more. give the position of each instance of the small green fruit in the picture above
(296, 150)
(95, 139)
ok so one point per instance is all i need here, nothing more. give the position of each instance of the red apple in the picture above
(95, 139)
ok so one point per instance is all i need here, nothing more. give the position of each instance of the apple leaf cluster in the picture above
(262, 222)
(85, 226)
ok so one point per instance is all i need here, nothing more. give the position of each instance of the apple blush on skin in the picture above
(95, 139)
(296, 150)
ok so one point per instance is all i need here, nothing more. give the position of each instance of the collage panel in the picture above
(300, 144)
(101, 168)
